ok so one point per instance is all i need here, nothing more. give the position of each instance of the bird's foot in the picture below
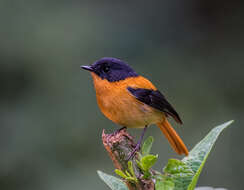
(120, 129)
(117, 131)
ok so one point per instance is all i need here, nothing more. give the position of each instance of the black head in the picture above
(111, 69)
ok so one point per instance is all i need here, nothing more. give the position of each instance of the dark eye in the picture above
(106, 69)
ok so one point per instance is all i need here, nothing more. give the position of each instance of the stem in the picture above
(119, 147)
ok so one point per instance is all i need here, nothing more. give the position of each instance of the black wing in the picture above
(155, 99)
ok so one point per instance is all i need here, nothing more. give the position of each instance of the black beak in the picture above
(88, 68)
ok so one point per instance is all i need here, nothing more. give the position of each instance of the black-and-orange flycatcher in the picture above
(132, 101)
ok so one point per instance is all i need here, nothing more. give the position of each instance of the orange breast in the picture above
(117, 104)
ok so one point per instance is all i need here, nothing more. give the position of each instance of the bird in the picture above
(132, 101)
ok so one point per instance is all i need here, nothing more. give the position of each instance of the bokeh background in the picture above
(50, 125)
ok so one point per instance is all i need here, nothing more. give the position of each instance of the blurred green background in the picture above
(50, 125)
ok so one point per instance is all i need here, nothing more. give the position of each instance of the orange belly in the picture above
(118, 105)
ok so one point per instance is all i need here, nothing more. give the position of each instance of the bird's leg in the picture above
(138, 145)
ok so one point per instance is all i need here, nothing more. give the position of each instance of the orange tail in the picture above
(173, 138)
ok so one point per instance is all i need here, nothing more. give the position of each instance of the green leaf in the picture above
(148, 161)
(139, 164)
(180, 173)
(120, 173)
(131, 179)
(147, 145)
(131, 169)
(164, 185)
(127, 173)
(184, 174)
(113, 182)
(198, 155)
(178, 168)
